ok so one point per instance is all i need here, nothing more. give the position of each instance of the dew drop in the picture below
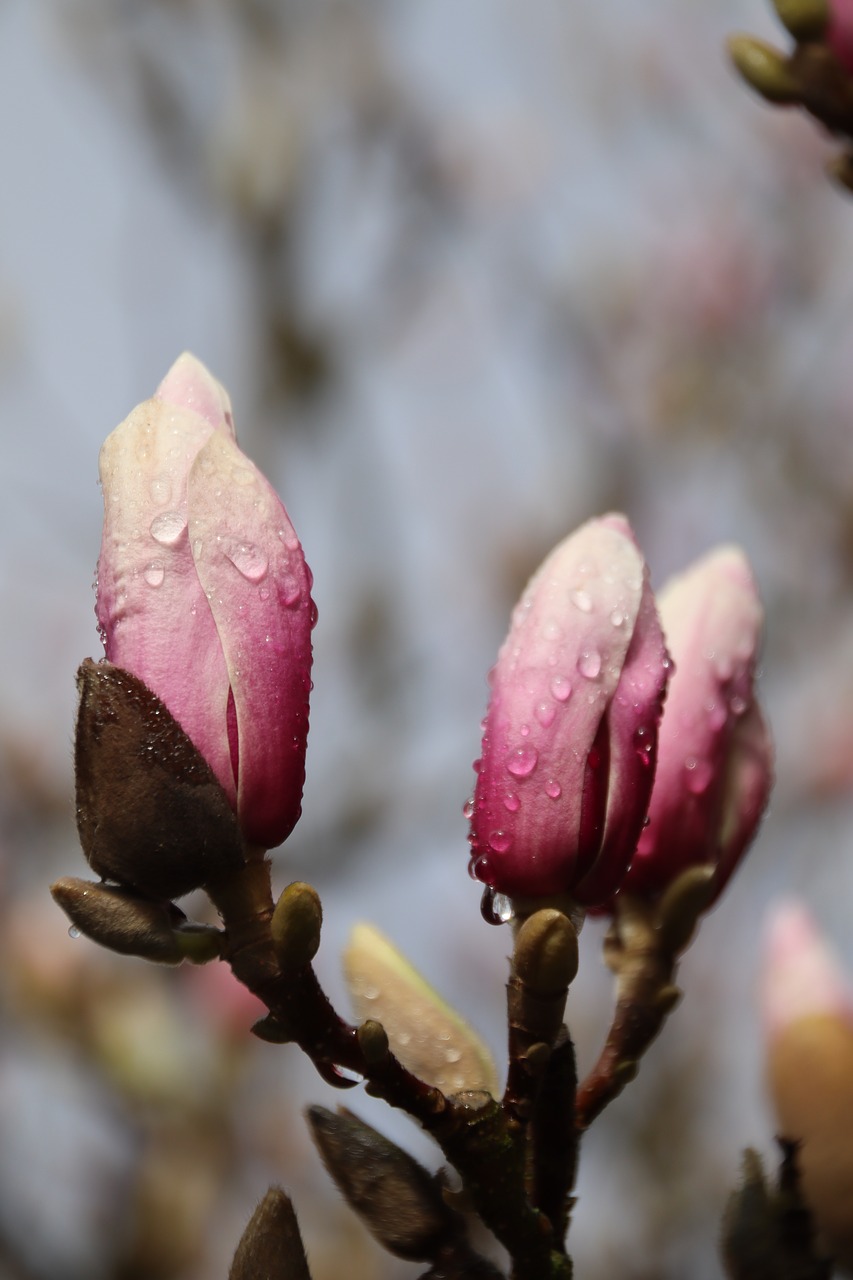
(545, 714)
(74, 932)
(468, 808)
(582, 600)
(699, 775)
(264, 593)
(249, 560)
(589, 664)
(511, 802)
(553, 789)
(737, 705)
(522, 761)
(643, 744)
(168, 527)
(453, 1055)
(403, 1038)
(561, 688)
(499, 841)
(617, 618)
(525, 731)
(154, 573)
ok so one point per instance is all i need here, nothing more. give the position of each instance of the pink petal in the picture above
(553, 683)
(712, 620)
(253, 573)
(154, 618)
(190, 385)
(839, 32)
(801, 976)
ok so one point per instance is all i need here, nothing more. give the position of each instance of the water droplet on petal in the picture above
(582, 600)
(617, 617)
(468, 808)
(512, 802)
(589, 664)
(264, 593)
(249, 560)
(699, 775)
(154, 573)
(545, 714)
(499, 841)
(737, 705)
(561, 688)
(168, 527)
(453, 1055)
(643, 744)
(522, 761)
(553, 789)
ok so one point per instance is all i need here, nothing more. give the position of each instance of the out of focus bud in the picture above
(805, 19)
(571, 730)
(714, 768)
(839, 32)
(150, 813)
(808, 1013)
(429, 1037)
(204, 594)
(764, 69)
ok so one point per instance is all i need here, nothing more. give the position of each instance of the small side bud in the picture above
(373, 1039)
(271, 1245)
(546, 952)
(271, 1031)
(119, 920)
(150, 811)
(805, 19)
(394, 1196)
(681, 906)
(296, 924)
(764, 69)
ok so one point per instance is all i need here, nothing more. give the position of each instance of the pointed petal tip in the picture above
(801, 974)
(189, 384)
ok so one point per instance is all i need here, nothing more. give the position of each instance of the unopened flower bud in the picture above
(394, 1195)
(546, 952)
(271, 1246)
(204, 594)
(120, 920)
(296, 924)
(715, 756)
(571, 730)
(808, 1013)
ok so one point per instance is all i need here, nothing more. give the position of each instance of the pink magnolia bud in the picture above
(839, 32)
(807, 1003)
(714, 768)
(204, 594)
(571, 729)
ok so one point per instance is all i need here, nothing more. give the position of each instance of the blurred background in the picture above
(472, 273)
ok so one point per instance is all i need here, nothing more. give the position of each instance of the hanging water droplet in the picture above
(74, 932)
(553, 789)
(495, 908)
(289, 538)
(168, 527)
(499, 841)
(589, 664)
(154, 573)
(582, 600)
(291, 592)
(468, 808)
(522, 761)
(561, 688)
(249, 560)
(478, 866)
